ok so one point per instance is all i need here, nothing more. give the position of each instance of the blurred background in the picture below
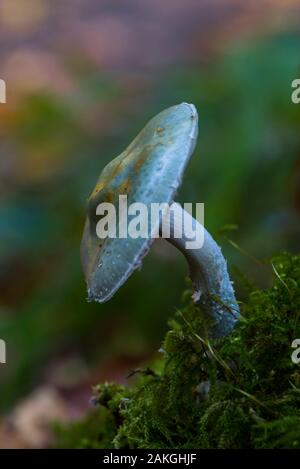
(83, 77)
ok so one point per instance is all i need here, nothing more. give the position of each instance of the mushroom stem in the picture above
(213, 289)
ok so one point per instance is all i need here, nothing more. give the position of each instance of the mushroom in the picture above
(150, 171)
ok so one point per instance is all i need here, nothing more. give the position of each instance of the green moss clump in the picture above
(242, 392)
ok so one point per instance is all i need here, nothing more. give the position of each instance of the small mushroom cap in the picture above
(150, 170)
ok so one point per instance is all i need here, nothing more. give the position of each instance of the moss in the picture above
(242, 392)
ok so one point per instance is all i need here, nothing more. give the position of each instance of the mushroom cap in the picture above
(150, 170)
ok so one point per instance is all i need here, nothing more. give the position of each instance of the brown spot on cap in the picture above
(125, 187)
(142, 158)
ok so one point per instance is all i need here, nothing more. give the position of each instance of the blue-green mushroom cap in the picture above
(150, 170)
